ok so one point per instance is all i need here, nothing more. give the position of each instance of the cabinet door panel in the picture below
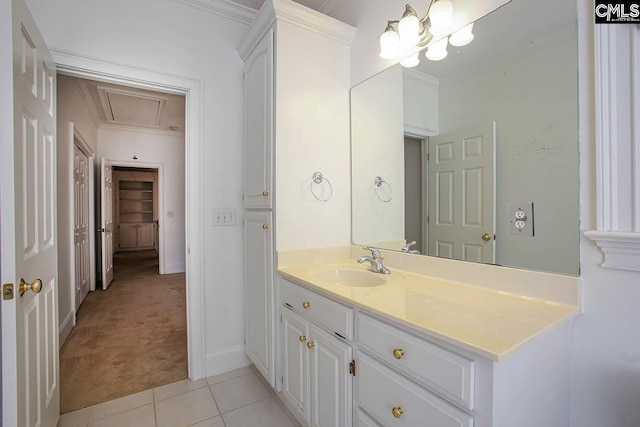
(128, 236)
(146, 235)
(258, 243)
(295, 362)
(258, 80)
(331, 381)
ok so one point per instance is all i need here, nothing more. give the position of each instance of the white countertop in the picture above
(491, 323)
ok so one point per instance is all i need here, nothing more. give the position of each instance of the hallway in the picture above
(130, 338)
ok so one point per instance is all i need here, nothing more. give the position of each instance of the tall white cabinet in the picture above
(290, 91)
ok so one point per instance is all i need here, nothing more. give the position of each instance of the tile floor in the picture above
(234, 399)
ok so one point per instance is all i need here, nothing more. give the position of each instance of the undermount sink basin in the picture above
(353, 278)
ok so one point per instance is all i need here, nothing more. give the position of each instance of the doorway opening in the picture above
(143, 337)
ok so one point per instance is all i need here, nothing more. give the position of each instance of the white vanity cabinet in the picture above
(316, 358)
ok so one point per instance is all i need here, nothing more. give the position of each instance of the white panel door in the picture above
(461, 194)
(258, 244)
(106, 219)
(258, 88)
(331, 382)
(81, 224)
(30, 376)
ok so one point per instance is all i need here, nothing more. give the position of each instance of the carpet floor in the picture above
(129, 338)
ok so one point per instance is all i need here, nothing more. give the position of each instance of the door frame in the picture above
(160, 193)
(192, 89)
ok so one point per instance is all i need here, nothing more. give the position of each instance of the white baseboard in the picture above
(66, 326)
(176, 267)
(224, 360)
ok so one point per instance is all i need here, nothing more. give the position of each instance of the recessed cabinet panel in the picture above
(395, 401)
(435, 367)
(295, 378)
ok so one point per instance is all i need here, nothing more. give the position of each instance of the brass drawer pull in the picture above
(398, 353)
(397, 412)
(265, 226)
(265, 193)
(302, 338)
(306, 305)
(310, 345)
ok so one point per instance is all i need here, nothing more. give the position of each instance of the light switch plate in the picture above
(520, 219)
(224, 217)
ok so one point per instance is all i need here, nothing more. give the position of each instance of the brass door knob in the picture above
(302, 338)
(35, 286)
(397, 412)
(265, 226)
(398, 353)
(486, 237)
(265, 194)
(306, 305)
(310, 345)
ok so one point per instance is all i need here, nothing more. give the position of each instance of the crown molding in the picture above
(621, 249)
(225, 8)
(332, 7)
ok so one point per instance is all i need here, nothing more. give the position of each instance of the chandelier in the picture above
(404, 38)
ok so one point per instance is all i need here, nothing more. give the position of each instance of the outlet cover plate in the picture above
(520, 219)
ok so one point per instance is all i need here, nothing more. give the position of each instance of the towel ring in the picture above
(381, 189)
(318, 178)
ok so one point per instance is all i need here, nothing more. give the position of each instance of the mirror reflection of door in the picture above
(414, 211)
(461, 194)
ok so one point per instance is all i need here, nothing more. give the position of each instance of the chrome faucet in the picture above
(407, 248)
(376, 261)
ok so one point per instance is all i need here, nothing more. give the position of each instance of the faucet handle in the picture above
(375, 252)
(407, 247)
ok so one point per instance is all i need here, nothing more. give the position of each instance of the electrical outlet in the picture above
(224, 217)
(520, 219)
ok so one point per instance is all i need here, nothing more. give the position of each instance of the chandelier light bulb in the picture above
(409, 28)
(438, 50)
(441, 16)
(462, 37)
(389, 43)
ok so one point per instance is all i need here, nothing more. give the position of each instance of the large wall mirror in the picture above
(452, 154)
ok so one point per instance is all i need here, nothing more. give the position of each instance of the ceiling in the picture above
(112, 105)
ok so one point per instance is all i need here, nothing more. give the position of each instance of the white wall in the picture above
(70, 109)
(167, 37)
(533, 99)
(167, 151)
(312, 134)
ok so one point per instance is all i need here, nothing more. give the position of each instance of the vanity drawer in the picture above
(435, 367)
(395, 401)
(333, 316)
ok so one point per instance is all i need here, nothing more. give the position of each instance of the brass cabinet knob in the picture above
(398, 353)
(486, 237)
(265, 194)
(302, 338)
(35, 286)
(306, 305)
(397, 412)
(265, 226)
(310, 345)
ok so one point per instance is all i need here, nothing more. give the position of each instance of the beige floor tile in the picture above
(123, 404)
(186, 409)
(229, 375)
(177, 388)
(143, 416)
(211, 422)
(265, 413)
(239, 392)
(79, 418)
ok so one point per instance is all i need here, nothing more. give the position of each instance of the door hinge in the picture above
(7, 291)
(282, 380)
(352, 368)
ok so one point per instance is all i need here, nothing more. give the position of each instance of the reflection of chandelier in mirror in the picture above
(401, 38)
